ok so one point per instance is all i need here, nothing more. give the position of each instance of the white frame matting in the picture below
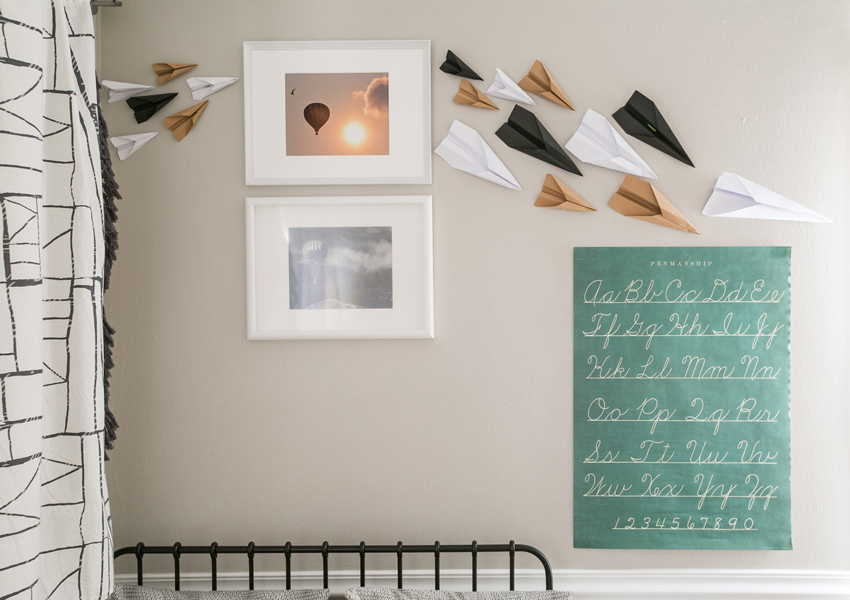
(270, 312)
(408, 63)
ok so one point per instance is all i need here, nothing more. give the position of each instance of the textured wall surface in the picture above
(468, 435)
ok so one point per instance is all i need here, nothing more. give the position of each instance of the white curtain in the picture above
(55, 538)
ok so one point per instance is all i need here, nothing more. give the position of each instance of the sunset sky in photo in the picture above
(359, 114)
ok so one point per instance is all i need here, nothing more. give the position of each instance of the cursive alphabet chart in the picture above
(681, 398)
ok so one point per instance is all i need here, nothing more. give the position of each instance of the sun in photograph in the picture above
(354, 134)
(336, 114)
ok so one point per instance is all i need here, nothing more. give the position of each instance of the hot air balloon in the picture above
(314, 253)
(317, 114)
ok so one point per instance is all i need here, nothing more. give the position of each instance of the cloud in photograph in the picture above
(376, 97)
(370, 257)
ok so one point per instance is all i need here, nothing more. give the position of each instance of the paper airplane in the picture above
(168, 71)
(525, 133)
(455, 66)
(469, 96)
(127, 144)
(640, 199)
(642, 119)
(540, 82)
(205, 86)
(556, 195)
(465, 149)
(504, 87)
(181, 123)
(144, 107)
(734, 196)
(118, 90)
(598, 143)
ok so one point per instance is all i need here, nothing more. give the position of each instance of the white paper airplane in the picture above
(465, 149)
(598, 143)
(504, 87)
(204, 86)
(118, 90)
(734, 196)
(127, 144)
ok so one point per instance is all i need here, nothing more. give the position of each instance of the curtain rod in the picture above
(95, 4)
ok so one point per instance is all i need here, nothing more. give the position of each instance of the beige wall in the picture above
(468, 435)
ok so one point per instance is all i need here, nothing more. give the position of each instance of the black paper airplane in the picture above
(455, 66)
(144, 107)
(525, 133)
(640, 118)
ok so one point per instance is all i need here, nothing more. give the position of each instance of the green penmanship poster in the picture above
(681, 398)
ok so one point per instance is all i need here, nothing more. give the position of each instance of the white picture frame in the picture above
(268, 161)
(339, 267)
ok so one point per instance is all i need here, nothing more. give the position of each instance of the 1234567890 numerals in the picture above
(685, 523)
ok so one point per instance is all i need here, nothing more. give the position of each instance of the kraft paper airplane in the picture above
(181, 123)
(557, 195)
(168, 71)
(118, 90)
(640, 199)
(127, 144)
(598, 143)
(504, 87)
(734, 196)
(205, 86)
(640, 118)
(464, 149)
(540, 82)
(455, 66)
(144, 107)
(468, 95)
(524, 132)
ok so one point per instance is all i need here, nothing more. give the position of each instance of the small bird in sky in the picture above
(292, 93)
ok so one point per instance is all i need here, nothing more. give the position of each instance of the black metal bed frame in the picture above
(251, 550)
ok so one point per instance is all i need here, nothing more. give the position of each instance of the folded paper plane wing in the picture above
(557, 195)
(598, 143)
(127, 144)
(504, 87)
(118, 90)
(734, 196)
(144, 107)
(540, 82)
(524, 132)
(640, 118)
(640, 199)
(468, 95)
(455, 66)
(168, 71)
(464, 149)
(182, 122)
(205, 86)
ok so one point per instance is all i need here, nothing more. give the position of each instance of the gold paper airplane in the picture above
(639, 199)
(540, 82)
(168, 71)
(556, 195)
(181, 123)
(468, 95)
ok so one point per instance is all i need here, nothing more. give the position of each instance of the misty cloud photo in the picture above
(340, 267)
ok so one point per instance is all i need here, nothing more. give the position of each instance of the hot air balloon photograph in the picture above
(335, 268)
(337, 114)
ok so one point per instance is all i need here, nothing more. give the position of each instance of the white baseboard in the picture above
(586, 584)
